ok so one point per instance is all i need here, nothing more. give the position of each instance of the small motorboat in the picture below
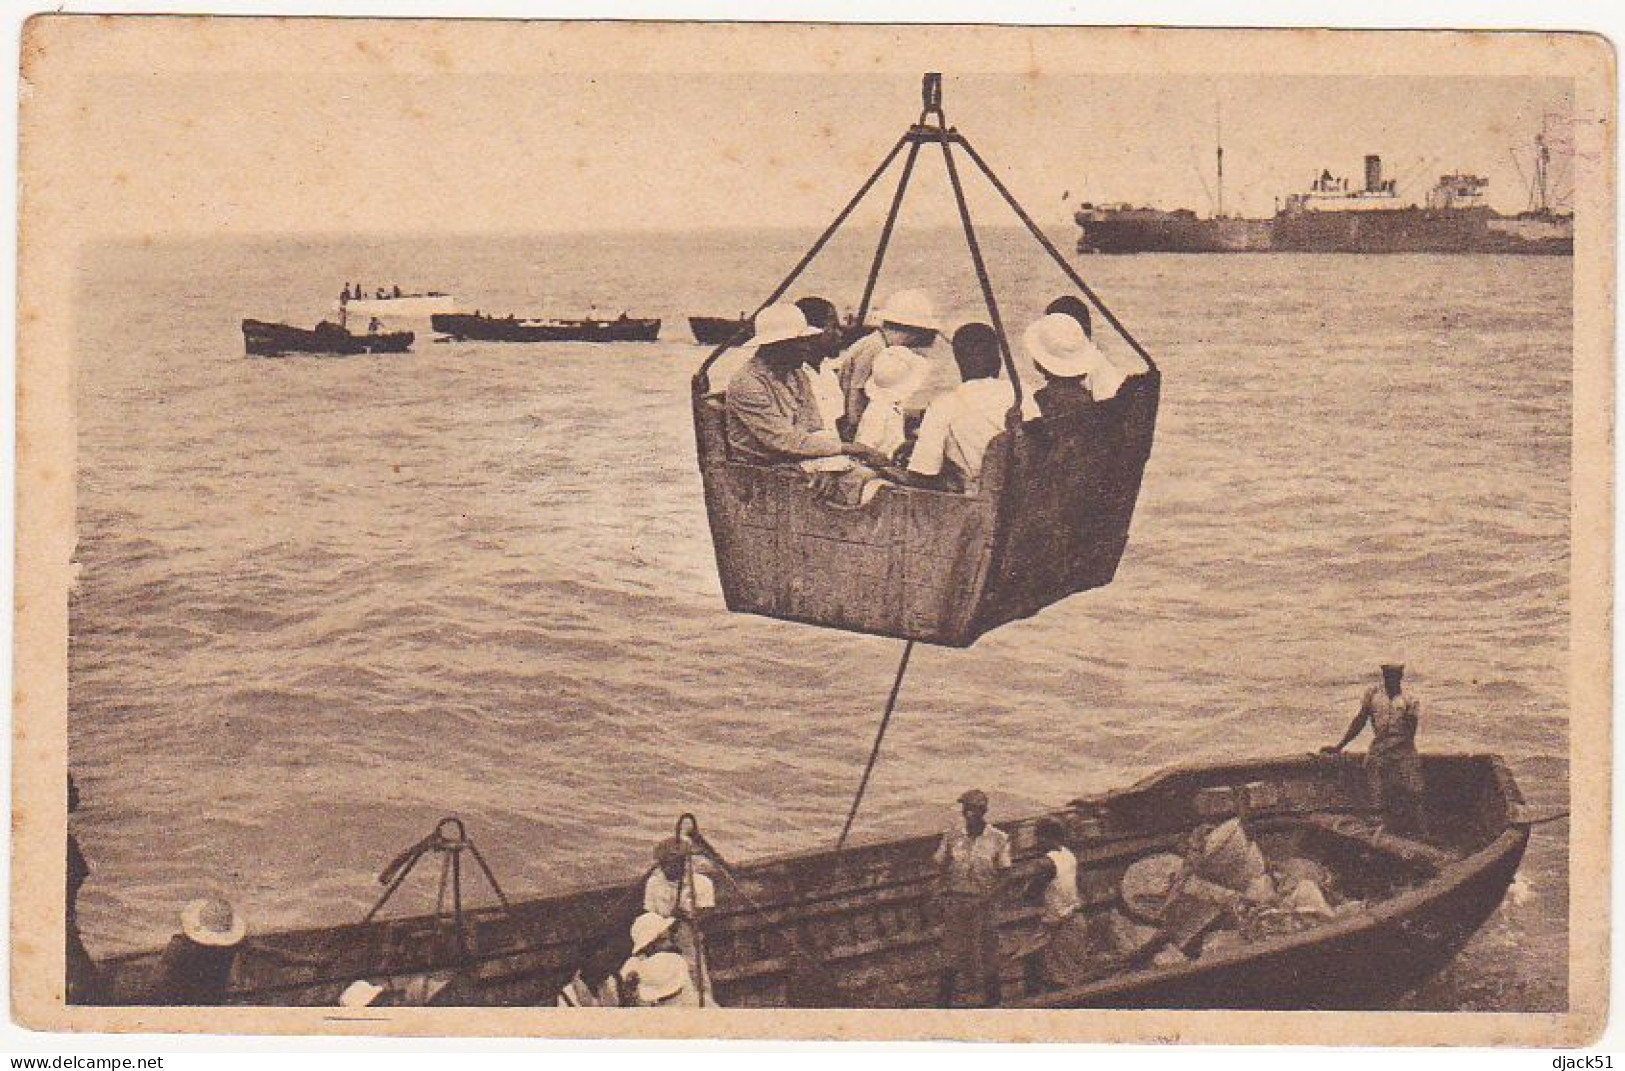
(860, 928)
(473, 326)
(262, 339)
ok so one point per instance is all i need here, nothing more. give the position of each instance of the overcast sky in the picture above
(351, 151)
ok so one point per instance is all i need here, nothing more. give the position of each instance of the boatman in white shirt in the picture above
(1061, 951)
(959, 424)
(676, 890)
(1392, 765)
(974, 857)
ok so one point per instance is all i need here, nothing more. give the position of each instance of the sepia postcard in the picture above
(681, 530)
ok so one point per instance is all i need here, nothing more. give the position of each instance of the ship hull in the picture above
(1172, 233)
(1421, 230)
(1398, 230)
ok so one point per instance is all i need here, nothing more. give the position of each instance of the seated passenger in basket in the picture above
(820, 358)
(896, 375)
(1076, 374)
(959, 425)
(772, 415)
(908, 319)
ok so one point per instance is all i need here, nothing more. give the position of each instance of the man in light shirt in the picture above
(676, 890)
(959, 424)
(974, 857)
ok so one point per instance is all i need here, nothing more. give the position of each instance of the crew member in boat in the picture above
(772, 415)
(678, 891)
(1062, 948)
(1394, 768)
(959, 424)
(195, 968)
(908, 319)
(974, 858)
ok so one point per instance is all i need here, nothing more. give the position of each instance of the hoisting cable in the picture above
(1055, 254)
(801, 265)
(874, 752)
(886, 231)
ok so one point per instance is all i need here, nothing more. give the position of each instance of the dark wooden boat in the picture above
(263, 339)
(861, 929)
(715, 330)
(463, 326)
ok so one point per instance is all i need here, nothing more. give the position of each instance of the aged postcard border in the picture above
(59, 51)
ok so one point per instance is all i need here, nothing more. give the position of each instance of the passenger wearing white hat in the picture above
(195, 968)
(908, 319)
(1075, 371)
(663, 981)
(895, 376)
(772, 415)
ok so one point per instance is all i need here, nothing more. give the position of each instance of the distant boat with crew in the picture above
(263, 339)
(392, 303)
(477, 327)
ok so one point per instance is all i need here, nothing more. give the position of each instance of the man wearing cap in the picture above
(974, 858)
(960, 423)
(772, 415)
(1392, 765)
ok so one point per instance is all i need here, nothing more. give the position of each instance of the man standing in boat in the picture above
(676, 890)
(974, 858)
(1392, 764)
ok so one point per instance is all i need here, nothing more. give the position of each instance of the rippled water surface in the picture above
(325, 601)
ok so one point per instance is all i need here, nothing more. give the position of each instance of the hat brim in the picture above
(760, 340)
(192, 926)
(909, 325)
(652, 938)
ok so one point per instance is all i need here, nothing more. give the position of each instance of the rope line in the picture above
(874, 752)
(1014, 416)
(886, 231)
(1055, 254)
(807, 258)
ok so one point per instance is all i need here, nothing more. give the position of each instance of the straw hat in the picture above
(662, 975)
(213, 922)
(359, 994)
(781, 323)
(648, 928)
(1056, 343)
(911, 308)
(896, 373)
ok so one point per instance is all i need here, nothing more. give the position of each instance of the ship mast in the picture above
(1537, 192)
(1218, 139)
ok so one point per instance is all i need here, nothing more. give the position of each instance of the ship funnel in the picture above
(1373, 174)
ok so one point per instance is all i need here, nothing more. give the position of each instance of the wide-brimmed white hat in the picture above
(1056, 343)
(781, 323)
(896, 373)
(911, 308)
(359, 994)
(662, 975)
(213, 922)
(648, 928)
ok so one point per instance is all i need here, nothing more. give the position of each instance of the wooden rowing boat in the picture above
(861, 928)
